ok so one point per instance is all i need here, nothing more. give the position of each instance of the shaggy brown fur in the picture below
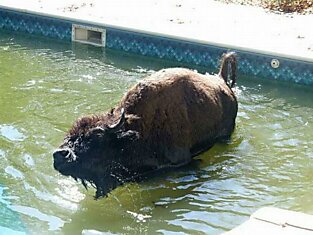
(163, 121)
(179, 108)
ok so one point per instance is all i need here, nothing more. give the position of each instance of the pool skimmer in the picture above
(89, 35)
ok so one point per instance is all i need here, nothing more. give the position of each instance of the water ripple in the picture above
(54, 222)
(14, 172)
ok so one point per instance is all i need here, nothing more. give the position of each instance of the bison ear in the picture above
(117, 126)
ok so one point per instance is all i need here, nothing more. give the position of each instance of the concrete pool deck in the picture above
(206, 21)
(270, 220)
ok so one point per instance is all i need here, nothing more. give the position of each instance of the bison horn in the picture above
(98, 129)
(120, 123)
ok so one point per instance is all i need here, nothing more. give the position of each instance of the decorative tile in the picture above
(164, 48)
(36, 25)
(289, 70)
(250, 64)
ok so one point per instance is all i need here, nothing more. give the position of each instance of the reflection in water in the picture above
(11, 133)
(45, 86)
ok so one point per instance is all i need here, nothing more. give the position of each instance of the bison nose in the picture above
(60, 156)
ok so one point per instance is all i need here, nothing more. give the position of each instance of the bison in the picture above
(163, 121)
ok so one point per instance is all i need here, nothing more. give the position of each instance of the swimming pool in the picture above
(46, 85)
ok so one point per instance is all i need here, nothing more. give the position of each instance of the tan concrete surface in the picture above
(216, 23)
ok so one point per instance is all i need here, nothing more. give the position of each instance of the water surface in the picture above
(46, 85)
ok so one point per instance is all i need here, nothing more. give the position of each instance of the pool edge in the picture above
(253, 62)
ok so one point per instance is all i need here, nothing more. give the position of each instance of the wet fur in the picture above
(171, 116)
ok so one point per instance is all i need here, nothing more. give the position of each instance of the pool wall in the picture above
(251, 63)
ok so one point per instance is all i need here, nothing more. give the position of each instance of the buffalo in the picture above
(162, 122)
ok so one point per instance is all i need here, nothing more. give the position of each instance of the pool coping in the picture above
(188, 50)
(159, 34)
(272, 220)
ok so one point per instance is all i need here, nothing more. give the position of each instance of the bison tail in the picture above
(228, 69)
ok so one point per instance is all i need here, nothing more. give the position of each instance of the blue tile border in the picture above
(259, 65)
(164, 48)
(250, 63)
(35, 25)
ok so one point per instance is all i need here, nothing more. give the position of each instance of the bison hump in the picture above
(179, 105)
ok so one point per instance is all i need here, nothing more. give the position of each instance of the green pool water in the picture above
(46, 85)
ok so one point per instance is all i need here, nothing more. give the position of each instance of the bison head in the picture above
(92, 152)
